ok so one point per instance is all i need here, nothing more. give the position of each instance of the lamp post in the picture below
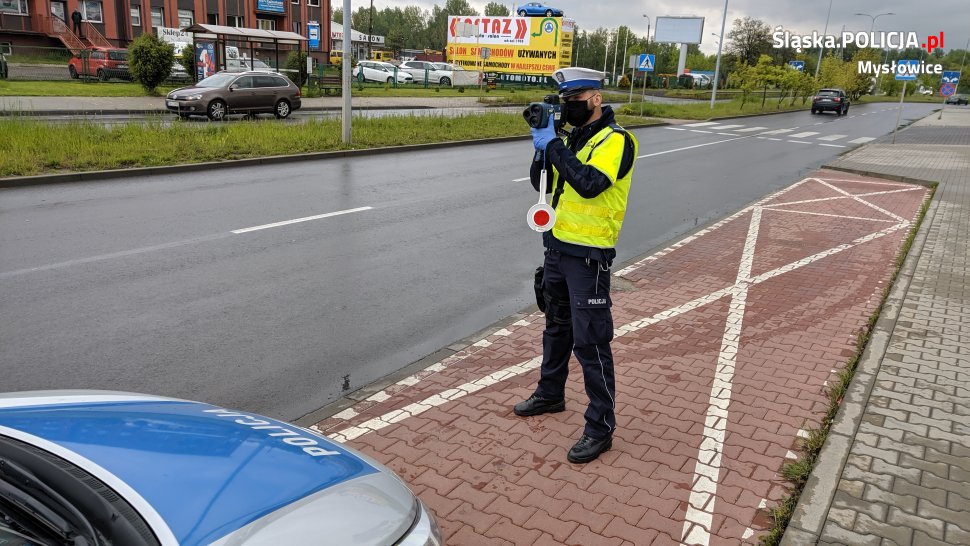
(872, 25)
(824, 32)
(717, 65)
(606, 52)
(645, 74)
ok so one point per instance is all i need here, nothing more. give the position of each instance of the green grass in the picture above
(75, 89)
(909, 98)
(29, 147)
(703, 110)
(798, 472)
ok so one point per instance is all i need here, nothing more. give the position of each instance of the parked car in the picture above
(534, 9)
(956, 99)
(227, 93)
(243, 64)
(178, 73)
(834, 100)
(103, 467)
(427, 71)
(103, 62)
(376, 71)
(447, 66)
(4, 68)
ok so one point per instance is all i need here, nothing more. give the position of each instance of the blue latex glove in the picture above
(542, 137)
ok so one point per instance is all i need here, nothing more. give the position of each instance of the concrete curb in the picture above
(89, 176)
(808, 520)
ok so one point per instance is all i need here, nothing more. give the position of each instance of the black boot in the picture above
(588, 449)
(537, 406)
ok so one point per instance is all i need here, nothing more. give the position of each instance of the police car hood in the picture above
(201, 474)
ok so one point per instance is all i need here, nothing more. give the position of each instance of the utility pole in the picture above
(717, 65)
(824, 32)
(616, 49)
(370, 30)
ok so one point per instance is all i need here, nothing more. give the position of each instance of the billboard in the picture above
(177, 37)
(679, 30)
(272, 6)
(517, 45)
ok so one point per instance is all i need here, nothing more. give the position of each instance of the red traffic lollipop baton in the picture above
(541, 216)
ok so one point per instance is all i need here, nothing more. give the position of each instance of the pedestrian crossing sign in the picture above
(645, 63)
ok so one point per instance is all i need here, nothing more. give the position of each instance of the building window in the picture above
(313, 2)
(91, 10)
(237, 21)
(296, 1)
(158, 17)
(14, 7)
(186, 18)
(266, 24)
(6, 48)
(136, 16)
(297, 26)
(212, 18)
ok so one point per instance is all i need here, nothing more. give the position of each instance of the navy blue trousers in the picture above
(578, 320)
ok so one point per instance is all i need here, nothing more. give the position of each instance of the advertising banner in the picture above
(517, 45)
(205, 59)
(272, 6)
(313, 34)
(177, 37)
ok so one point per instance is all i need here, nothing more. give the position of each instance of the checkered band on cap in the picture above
(575, 80)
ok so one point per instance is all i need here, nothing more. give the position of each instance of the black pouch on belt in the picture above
(540, 299)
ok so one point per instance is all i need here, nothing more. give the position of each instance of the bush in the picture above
(624, 81)
(296, 67)
(150, 60)
(188, 61)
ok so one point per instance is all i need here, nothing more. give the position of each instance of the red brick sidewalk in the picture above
(724, 345)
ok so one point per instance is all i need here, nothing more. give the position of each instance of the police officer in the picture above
(591, 174)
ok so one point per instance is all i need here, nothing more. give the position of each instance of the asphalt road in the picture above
(141, 284)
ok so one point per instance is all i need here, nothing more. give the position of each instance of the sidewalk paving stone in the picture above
(725, 343)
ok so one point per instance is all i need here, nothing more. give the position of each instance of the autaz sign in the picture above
(517, 45)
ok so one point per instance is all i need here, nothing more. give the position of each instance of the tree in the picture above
(750, 38)
(150, 60)
(295, 65)
(494, 9)
(188, 61)
(765, 74)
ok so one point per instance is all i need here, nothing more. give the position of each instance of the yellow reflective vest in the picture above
(596, 222)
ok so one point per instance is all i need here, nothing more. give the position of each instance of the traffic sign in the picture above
(906, 70)
(951, 76)
(948, 89)
(645, 63)
(797, 65)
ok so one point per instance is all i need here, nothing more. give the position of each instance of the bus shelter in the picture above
(248, 39)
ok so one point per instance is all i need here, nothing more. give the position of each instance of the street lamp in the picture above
(824, 32)
(718, 36)
(717, 65)
(648, 29)
(873, 17)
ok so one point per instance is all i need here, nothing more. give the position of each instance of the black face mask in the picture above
(576, 113)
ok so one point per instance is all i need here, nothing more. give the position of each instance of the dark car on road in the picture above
(956, 99)
(830, 100)
(227, 93)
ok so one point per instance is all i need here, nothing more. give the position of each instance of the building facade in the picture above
(42, 23)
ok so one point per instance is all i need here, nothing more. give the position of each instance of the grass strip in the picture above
(798, 472)
(10, 88)
(30, 147)
(703, 110)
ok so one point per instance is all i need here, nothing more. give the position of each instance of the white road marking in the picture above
(748, 533)
(725, 127)
(298, 220)
(675, 128)
(799, 141)
(832, 145)
(870, 194)
(819, 123)
(726, 134)
(700, 131)
(700, 505)
(829, 215)
(777, 132)
(832, 137)
(749, 129)
(864, 202)
(802, 434)
(804, 134)
(862, 140)
(701, 124)
(775, 139)
(521, 179)
(791, 455)
(689, 147)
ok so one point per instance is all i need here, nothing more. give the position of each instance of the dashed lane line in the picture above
(299, 220)
(701, 124)
(750, 129)
(804, 134)
(832, 137)
(862, 140)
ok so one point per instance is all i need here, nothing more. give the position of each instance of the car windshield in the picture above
(118, 55)
(216, 80)
(828, 93)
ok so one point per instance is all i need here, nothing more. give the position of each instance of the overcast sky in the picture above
(952, 17)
